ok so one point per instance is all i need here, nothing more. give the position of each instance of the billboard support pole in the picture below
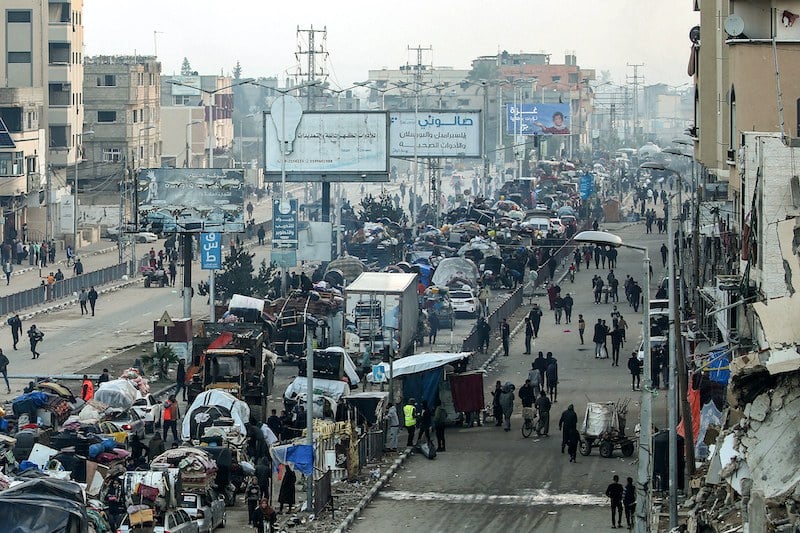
(212, 295)
(187, 274)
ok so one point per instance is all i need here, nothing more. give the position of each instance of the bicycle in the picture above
(527, 425)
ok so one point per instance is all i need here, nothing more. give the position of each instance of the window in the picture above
(463, 102)
(107, 80)
(18, 16)
(106, 116)
(573, 78)
(12, 118)
(19, 57)
(112, 155)
(59, 137)
(30, 164)
(556, 79)
(181, 100)
(11, 163)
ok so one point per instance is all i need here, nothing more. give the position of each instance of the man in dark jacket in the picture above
(484, 330)
(16, 328)
(551, 373)
(528, 335)
(543, 407)
(568, 303)
(526, 394)
(535, 315)
(264, 476)
(505, 334)
(599, 338)
(540, 364)
(568, 423)
(92, 297)
(635, 368)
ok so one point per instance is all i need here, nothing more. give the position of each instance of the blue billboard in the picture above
(284, 224)
(587, 185)
(537, 119)
(211, 251)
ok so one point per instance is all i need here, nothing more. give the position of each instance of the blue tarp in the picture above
(423, 386)
(300, 457)
(719, 366)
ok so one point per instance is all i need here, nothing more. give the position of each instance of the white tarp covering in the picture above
(118, 394)
(239, 301)
(455, 267)
(599, 417)
(326, 387)
(240, 411)
(416, 363)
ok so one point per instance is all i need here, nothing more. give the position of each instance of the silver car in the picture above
(174, 521)
(207, 509)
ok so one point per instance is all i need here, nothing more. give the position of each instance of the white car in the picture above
(146, 236)
(464, 301)
(149, 409)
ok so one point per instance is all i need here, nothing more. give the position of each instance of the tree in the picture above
(265, 274)
(160, 360)
(373, 209)
(186, 67)
(236, 276)
(237, 71)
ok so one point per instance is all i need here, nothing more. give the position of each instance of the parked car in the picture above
(207, 509)
(124, 426)
(149, 409)
(464, 301)
(146, 236)
(173, 521)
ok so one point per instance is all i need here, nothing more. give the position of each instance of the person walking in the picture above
(92, 297)
(484, 331)
(535, 379)
(616, 344)
(433, 323)
(599, 339)
(410, 420)
(629, 501)
(636, 294)
(581, 326)
(568, 303)
(543, 405)
(35, 337)
(614, 493)
(263, 477)
(526, 393)
(528, 335)
(170, 418)
(484, 295)
(424, 419)
(497, 410)
(83, 297)
(568, 423)
(635, 368)
(87, 389)
(505, 334)
(393, 428)
(552, 377)
(180, 379)
(4, 369)
(261, 233)
(8, 268)
(77, 268)
(286, 495)
(558, 308)
(507, 404)
(16, 328)
(439, 422)
(598, 289)
(535, 315)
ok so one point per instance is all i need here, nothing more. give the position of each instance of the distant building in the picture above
(123, 108)
(41, 107)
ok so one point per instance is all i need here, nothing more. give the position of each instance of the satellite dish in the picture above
(734, 25)
(694, 34)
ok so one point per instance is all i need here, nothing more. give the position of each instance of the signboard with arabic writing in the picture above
(211, 251)
(191, 200)
(437, 133)
(284, 224)
(332, 143)
(537, 119)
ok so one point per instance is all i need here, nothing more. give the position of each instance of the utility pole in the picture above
(417, 80)
(636, 81)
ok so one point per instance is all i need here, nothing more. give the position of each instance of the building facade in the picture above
(123, 109)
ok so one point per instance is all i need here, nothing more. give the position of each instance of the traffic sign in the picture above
(166, 321)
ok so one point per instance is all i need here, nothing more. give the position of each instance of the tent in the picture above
(414, 364)
(239, 410)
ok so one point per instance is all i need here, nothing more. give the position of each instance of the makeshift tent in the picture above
(299, 456)
(467, 390)
(423, 386)
(416, 363)
(44, 505)
(239, 410)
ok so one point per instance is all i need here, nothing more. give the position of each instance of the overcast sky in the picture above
(364, 35)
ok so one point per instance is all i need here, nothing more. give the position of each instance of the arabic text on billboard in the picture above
(537, 119)
(284, 224)
(187, 87)
(191, 200)
(333, 143)
(437, 133)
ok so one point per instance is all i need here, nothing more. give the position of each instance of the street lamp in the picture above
(78, 159)
(645, 413)
(211, 106)
(187, 161)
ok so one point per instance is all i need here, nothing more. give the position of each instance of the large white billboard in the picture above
(437, 134)
(332, 143)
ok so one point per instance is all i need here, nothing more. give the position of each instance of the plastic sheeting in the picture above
(709, 415)
(325, 387)
(43, 506)
(599, 417)
(240, 411)
(467, 392)
(423, 386)
(455, 267)
(418, 363)
(299, 456)
(118, 394)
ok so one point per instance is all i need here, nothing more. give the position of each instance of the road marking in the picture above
(534, 497)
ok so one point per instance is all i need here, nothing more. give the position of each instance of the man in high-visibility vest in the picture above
(87, 389)
(170, 418)
(410, 420)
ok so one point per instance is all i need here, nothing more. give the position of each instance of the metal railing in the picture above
(62, 289)
(370, 447)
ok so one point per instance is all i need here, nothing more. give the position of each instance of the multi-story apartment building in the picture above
(41, 105)
(123, 109)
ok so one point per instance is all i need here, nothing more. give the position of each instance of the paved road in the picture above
(490, 480)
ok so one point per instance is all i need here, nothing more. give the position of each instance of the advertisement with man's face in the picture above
(537, 119)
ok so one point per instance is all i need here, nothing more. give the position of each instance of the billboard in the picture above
(191, 200)
(537, 119)
(284, 224)
(437, 133)
(331, 144)
(183, 90)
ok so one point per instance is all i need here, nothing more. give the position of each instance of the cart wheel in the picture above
(606, 449)
(627, 448)
(586, 447)
(527, 428)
